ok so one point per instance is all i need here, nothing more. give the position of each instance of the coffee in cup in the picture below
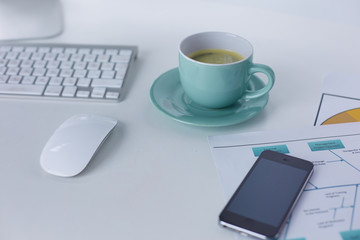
(216, 56)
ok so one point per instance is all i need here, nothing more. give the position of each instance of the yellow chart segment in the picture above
(352, 115)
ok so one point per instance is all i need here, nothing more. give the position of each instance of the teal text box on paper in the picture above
(326, 145)
(276, 148)
(351, 235)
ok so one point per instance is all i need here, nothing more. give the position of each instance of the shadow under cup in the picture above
(219, 85)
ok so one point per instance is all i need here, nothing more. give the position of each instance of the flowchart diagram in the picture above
(330, 205)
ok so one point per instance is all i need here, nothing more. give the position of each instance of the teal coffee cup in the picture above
(216, 67)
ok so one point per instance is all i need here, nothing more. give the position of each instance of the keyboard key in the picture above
(11, 55)
(69, 91)
(80, 73)
(57, 50)
(37, 56)
(24, 56)
(14, 79)
(98, 92)
(80, 65)
(53, 64)
(27, 63)
(83, 82)
(76, 57)
(42, 80)
(55, 81)
(53, 72)
(106, 83)
(28, 80)
(66, 64)
(3, 62)
(39, 72)
(120, 59)
(3, 70)
(83, 94)
(22, 89)
(107, 66)
(39, 64)
(12, 71)
(121, 74)
(89, 57)
(126, 52)
(94, 74)
(112, 95)
(13, 63)
(63, 57)
(103, 58)
(93, 66)
(53, 91)
(66, 73)
(26, 71)
(108, 74)
(3, 78)
(111, 51)
(69, 81)
(50, 56)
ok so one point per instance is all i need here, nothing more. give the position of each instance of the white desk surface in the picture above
(155, 178)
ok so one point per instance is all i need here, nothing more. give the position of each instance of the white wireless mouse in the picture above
(74, 143)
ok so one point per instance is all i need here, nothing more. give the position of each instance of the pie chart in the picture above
(352, 115)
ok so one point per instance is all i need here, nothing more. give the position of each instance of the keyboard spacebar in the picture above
(21, 89)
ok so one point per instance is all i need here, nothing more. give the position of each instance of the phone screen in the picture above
(267, 194)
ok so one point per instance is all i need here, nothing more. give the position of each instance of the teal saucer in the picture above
(168, 96)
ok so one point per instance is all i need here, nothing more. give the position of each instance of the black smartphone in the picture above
(267, 195)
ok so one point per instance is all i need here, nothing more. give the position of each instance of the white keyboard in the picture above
(60, 71)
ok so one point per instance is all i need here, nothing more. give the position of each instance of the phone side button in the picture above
(244, 234)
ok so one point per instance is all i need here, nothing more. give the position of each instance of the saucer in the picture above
(168, 96)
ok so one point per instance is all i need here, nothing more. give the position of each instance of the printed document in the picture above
(329, 208)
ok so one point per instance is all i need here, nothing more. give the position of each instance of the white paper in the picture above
(340, 99)
(330, 204)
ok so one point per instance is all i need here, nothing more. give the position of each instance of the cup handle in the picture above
(255, 68)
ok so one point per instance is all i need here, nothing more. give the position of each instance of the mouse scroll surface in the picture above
(74, 143)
